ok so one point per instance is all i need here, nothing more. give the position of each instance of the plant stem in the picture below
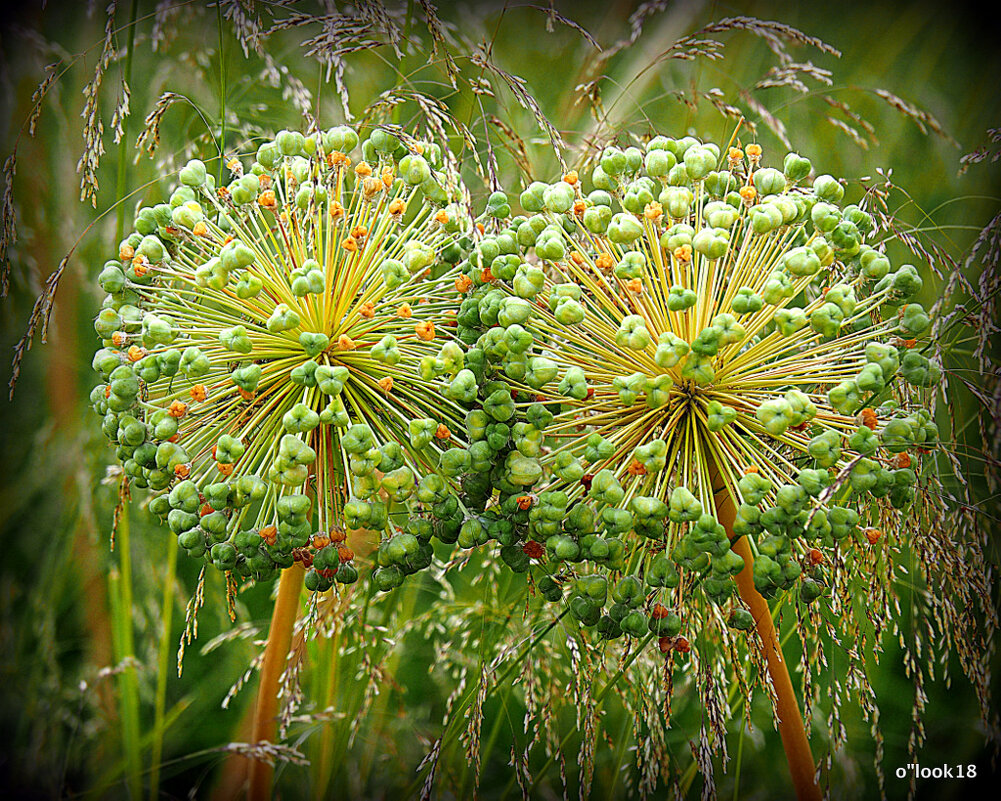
(163, 655)
(790, 721)
(128, 687)
(275, 654)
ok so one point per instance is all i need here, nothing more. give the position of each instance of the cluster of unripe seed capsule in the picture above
(327, 345)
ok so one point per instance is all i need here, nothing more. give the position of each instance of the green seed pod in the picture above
(765, 218)
(827, 188)
(796, 167)
(698, 369)
(918, 370)
(236, 339)
(680, 299)
(769, 181)
(658, 162)
(624, 229)
(414, 169)
(558, 198)
(801, 261)
(282, 319)
(914, 321)
(874, 265)
(634, 624)
(719, 415)
(633, 333)
(746, 301)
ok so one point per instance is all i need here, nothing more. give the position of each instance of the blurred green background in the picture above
(64, 631)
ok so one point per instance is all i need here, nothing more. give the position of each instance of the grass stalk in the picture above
(790, 720)
(163, 656)
(275, 655)
(222, 96)
(120, 582)
(123, 145)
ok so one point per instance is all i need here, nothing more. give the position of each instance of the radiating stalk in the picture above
(275, 656)
(790, 721)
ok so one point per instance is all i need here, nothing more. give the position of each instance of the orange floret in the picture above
(442, 432)
(363, 169)
(344, 342)
(533, 549)
(571, 178)
(405, 311)
(345, 554)
(604, 262)
(386, 384)
(198, 393)
(397, 207)
(178, 409)
(425, 330)
(653, 211)
(636, 468)
(463, 284)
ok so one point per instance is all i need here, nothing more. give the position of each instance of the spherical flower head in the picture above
(706, 333)
(265, 349)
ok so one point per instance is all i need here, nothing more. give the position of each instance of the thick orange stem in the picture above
(275, 656)
(794, 740)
